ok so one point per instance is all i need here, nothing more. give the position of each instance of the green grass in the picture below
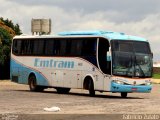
(156, 76)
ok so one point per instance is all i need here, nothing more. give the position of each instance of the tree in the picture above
(17, 29)
(7, 31)
(5, 44)
(10, 24)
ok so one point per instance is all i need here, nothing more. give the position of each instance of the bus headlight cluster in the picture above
(148, 83)
(118, 82)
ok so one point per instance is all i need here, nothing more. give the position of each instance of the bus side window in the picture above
(15, 47)
(68, 47)
(49, 47)
(22, 47)
(56, 47)
(76, 47)
(89, 47)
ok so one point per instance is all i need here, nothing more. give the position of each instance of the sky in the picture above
(134, 17)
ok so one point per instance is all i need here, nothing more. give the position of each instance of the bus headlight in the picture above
(148, 83)
(118, 82)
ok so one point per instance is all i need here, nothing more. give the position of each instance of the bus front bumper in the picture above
(115, 87)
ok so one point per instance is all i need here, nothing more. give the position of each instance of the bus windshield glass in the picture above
(131, 58)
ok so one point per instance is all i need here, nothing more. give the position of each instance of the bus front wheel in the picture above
(123, 94)
(33, 84)
(91, 88)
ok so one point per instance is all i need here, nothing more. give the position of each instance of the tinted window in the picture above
(16, 46)
(89, 47)
(55, 47)
(76, 47)
(130, 46)
(48, 47)
(141, 47)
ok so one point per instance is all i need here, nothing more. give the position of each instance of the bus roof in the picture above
(106, 34)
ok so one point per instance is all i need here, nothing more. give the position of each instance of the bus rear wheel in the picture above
(123, 94)
(33, 84)
(63, 90)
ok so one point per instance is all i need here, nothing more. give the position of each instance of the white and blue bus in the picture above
(93, 60)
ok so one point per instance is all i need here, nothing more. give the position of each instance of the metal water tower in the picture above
(41, 26)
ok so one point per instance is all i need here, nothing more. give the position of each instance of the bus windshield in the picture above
(131, 58)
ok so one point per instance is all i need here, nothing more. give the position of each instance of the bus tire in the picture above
(91, 88)
(33, 84)
(63, 90)
(123, 94)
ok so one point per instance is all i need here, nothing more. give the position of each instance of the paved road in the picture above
(17, 99)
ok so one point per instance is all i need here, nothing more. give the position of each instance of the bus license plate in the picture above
(134, 89)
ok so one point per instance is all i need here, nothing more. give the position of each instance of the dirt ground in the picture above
(17, 99)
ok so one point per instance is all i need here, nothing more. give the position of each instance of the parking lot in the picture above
(17, 99)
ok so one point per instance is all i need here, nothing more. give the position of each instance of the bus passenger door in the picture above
(102, 82)
(99, 81)
(107, 83)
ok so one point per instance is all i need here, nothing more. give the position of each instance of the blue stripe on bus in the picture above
(23, 72)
